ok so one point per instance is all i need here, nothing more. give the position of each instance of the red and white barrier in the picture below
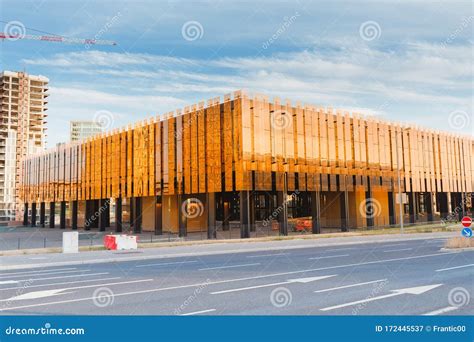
(120, 242)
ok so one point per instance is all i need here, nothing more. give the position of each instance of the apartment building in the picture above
(80, 130)
(23, 101)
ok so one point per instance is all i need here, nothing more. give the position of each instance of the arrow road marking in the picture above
(198, 312)
(289, 281)
(410, 290)
(37, 294)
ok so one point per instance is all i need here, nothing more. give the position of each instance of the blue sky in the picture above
(406, 61)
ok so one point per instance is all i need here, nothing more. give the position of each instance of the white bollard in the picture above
(70, 242)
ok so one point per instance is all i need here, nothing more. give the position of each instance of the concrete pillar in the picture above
(62, 215)
(226, 214)
(25, 214)
(182, 219)
(137, 227)
(344, 206)
(107, 214)
(429, 206)
(52, 208)
(33, 214)
(88, 216)
(450, 204)
(158, 215)
(102, 213)
(74, 215)
(244, 214)
(211, 215)
(118, 215)
(42, 214)
(316, 211)
(369, 208)
(411, 206)
(391, 209)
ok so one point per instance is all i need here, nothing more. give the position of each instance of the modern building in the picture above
(23, 102)
(81, 130)
(245, 165)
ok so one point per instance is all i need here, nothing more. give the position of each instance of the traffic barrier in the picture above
(120, 242)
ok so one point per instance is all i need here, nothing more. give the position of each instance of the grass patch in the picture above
(459, 242)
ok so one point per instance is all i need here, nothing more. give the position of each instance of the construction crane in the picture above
(57, 39)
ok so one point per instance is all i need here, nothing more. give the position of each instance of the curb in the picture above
(203, 253)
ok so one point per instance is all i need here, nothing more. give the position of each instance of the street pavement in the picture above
(407, 275)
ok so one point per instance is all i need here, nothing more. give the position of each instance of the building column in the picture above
(158, 215)
(411, 206)
(42, 214)
(74, 215)
(118, 215)
(225, 217)
(102, 213)
(33, 214)
(316, 212)
(282, 213)
(137, 227)
(62, 215)
(52, 208)
(344, 205)
(87, 217)
(391, 209)
(429, 206)
(369, 208)
(244, 214)
(25, 214)
(449, 204)
(182, 219)
(211, 215)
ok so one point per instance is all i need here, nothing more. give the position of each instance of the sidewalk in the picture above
(14, 262)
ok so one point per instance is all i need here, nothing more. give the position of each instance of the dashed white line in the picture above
(266, 255)
(228, 266)
(198, 312)
(168, 263)
(40, 271)
(329, 257)
(393, 245)
(352, 285)
(43, 274)
(454, 268)
(398, 250)
(61, 277)
(441, 311)
(62, 283)
(8, 282)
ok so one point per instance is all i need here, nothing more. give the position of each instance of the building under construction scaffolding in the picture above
(250, 163)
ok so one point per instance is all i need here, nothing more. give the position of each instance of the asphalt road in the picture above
(412, 277)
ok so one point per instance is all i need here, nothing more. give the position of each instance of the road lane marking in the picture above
(300, 280)
(352, 285)
(38, 258)
(62, 283)
(229, 266)
(411, 290)
(43, 274)
(339, 249)
(454, 268)
(394, 245)
(61, 277)
(398, 250)
(8, 282)
(54, 292)
(168, 263)
(40, 271)
(329, 257)
(232, 280)
(441, 311)
(266, 255)
(198, 312)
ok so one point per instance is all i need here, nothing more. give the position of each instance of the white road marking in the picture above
(62, 277)
(339, 249)
(398, 250)
(394, 245)
(229, 266)
(198, 312)
(43, 274)
(411, 290)
(62, 283)
(40, 271)
(8, 282)
(54, 292)
(441, 311)
(266, 255)
(38, 258)
(352, 285)
(168, 263)
(329, 257)
(231, 280)
(454, 268)
(300, 280)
